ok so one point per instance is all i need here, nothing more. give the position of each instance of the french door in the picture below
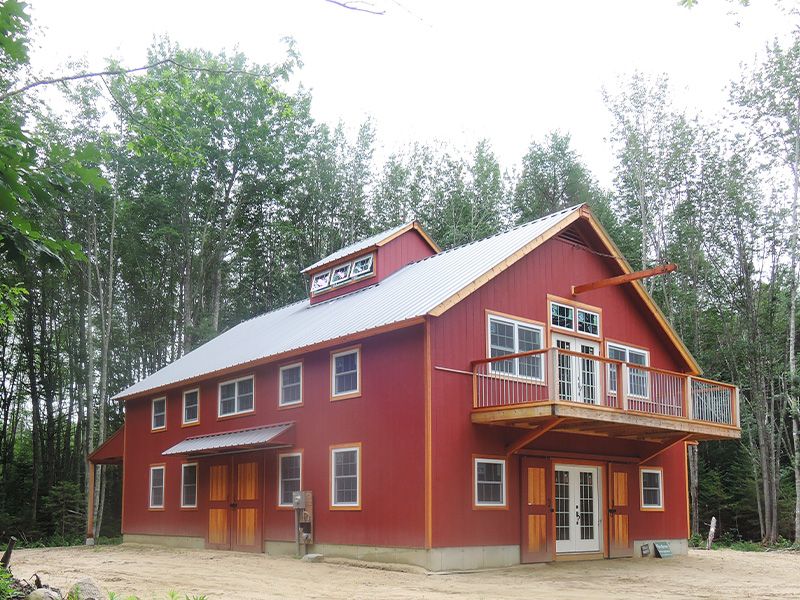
(578, 377)
(577, 508)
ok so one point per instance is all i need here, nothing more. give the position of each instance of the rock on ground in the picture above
(87, 589)
(42, 594)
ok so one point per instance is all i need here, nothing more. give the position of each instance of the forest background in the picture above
(145, 211)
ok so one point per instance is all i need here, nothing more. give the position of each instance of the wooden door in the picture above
(234, 503)
(620, 543)
(537, 511)
(246, 526)
(219, 504)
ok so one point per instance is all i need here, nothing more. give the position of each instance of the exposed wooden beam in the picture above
(664, 447)
(529, 437)
(586, 287)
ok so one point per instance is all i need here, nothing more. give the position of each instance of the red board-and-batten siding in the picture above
(460, 335)
(387, 420)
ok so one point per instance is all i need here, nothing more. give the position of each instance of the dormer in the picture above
(369, 261)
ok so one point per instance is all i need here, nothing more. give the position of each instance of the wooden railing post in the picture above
(552, 373)
(688, 401)
(735, 418)
(622, 386)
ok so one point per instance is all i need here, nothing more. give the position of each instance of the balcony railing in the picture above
(555, 374)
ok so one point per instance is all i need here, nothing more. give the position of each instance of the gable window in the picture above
(321, 281)
(159, 414)
(189, 485)
(290, 477)
(490, 482)
(362, 266)
(345, 477)
(236, 397)
(507, 336)
(573, 318)
(637, 378)
(652, 489)
(157, 486)
(191, 407)
(291, 382)
(562, 316)
(341, 274)
(346, 374)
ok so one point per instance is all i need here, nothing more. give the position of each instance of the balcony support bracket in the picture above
(529, 437)
(664, 447)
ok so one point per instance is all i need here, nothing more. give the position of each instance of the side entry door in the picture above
(537, 510)
(620, 542)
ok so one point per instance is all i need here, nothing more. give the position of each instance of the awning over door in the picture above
(110, 452)
(269, 436)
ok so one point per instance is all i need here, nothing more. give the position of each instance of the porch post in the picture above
(90, 512)
(688, 404)
(552, 374)
(622, 386)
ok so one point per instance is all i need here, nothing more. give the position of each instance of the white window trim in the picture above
(183, 414)
(153, 414)
(334, 452)
(589, 312)
(327, 272)
(334, 356)
(281, 402)
(235, 397)
(504, 483)
(346, 278)
(559, 327)
(280, 475)
(162, 468)
(183, 484)
(516, 324)
(660, 505)
(631, 365)
(370, 259)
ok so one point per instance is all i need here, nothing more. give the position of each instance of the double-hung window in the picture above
(159, 414)
(189, 485)
(490, 482)
(346, 374)
(346, 477)
(157, 487)
(236, 397)
(637, 378)
(191, 407)
(652, 483)
(291, 385)
(507, 336)
(290, 477)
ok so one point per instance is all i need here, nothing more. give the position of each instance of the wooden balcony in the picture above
(559, 390)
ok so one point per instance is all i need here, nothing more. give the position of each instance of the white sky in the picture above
(452, 70)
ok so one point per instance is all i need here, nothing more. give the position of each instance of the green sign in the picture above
(662, 549)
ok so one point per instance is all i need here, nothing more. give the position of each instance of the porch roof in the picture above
(111, 451)
(231, 441)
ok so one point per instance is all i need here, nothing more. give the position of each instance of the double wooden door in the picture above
(234, 503)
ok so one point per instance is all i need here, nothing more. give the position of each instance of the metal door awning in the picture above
(235, 441)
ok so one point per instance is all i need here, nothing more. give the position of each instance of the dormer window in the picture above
(341, 274)
(321, 281)
(362, 266)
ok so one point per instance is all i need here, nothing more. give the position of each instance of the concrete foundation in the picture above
(678, 547)
(171, 541)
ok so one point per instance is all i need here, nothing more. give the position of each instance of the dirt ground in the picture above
(150, 573)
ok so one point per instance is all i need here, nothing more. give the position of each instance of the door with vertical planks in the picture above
(537, 511)
(246, 525)
(219, 504)
(620, 543)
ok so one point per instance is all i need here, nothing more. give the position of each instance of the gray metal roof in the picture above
(353, 248)
(227, 441)
(411, 292)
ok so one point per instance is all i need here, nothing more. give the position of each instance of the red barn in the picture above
(470, 408)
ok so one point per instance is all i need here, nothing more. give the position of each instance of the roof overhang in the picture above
(256, 438)
(111, 451)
